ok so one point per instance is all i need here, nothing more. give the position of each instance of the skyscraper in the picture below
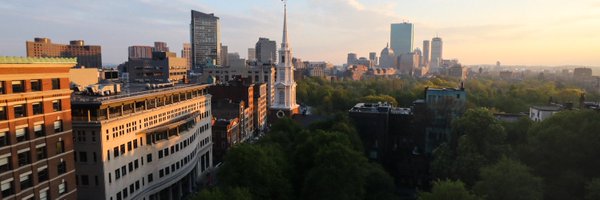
(224, 57)
(401, 37)
(285, 86)
(186, 53)
(436, 52)
(36, 141)
(265, 51)
(352, 58)
(87, 55)
(425, 60)
(373, 58)
(205, 35)
(251, 54)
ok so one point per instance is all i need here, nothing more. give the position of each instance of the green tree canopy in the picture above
(448, 190)
(508, 180)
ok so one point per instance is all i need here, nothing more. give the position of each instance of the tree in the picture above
(226, 194)
(508, 180)
(378, 184)
(263, 169)
(448, 190)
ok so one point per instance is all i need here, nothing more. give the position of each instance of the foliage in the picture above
(592, 189)
(224, 194)
(508, 180)
(448, 190)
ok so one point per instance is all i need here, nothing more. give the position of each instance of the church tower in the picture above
(285, 87)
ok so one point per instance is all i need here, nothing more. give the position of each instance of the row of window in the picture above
(22, 133)
(18, 86)
(26, 181)
(131, 145)
(175, 166)
(81, 136)
(21, 109)
(24, 156)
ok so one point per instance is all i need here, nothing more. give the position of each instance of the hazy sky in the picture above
(515, 32)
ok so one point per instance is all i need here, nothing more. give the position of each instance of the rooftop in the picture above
(131, 90)
(547, 108)
(35, 60)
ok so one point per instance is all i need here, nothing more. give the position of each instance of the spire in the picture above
(284, 41)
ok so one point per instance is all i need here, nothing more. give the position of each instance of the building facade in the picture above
(143, 144)
(137, 52)
(251, 54)
(163, 67)
(401, 37)
(266, 51)
(186, 53)
(436, 53)
(36, 141)
(87, 55)
(253, 74)
(425, 59)
(205, 32)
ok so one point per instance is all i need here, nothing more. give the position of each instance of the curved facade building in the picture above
(143, 144)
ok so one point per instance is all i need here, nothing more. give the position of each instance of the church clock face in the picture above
(280, 114)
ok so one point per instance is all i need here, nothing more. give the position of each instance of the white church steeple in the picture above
(285, 87)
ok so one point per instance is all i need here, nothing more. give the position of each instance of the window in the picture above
(25, 180)
(149, 158)
(160, 154)
(58, 126)
(42, 174)
(44, 195)
(85, 180)
(21, 134)
(38, 130)
(7, 188)
(18, 86)
(56, 84)
(130, 166)
(82, 157)
(117, 174)
(62, 187)
(122, 149)
(36, 85)
(60, 147)
(129, 146)
(5, 163)
(37, 108)
(23, 157)
(20, 111)
(56, 105)
(124, 170)
(150, 178)
(4, 140)
(2, 87)
(62, 167)
(3, 113)
(116, 152)
(41, 152)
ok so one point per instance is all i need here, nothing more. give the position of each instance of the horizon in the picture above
(557, 34)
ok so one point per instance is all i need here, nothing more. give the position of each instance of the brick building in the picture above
(36, 141)
(87, 55)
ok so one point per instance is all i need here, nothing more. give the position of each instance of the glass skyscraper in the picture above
(401, 37)
(205, 33)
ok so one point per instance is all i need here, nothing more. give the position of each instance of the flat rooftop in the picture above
(36, 60)
(131, 90)
(381, 107)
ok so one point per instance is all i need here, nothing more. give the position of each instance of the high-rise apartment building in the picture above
(251, 54)
(436, 52)
(36, 141)
(162, 67)
(401, 37)
(161, 47)
(205, 32)
(425, 58)
(87, 55)
(142, 143)
(266, 51)
(136, 52)
(186, 53)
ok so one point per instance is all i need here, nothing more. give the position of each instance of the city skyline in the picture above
(558, 33)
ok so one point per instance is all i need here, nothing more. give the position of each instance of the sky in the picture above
(514, 32)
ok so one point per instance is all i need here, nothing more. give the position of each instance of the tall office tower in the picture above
(143, 144)
(160, 46)
(36, 141)
(285, 86)
(138, 52)
(401, 37)
(373, 58)
(205, 34)
(251, 54)
(224, 56)
(436, 52)
(352, 58)
(87, 55)
(186, 53)
(265, 51)
(425, 58)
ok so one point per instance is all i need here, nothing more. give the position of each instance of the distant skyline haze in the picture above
(514, 32)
